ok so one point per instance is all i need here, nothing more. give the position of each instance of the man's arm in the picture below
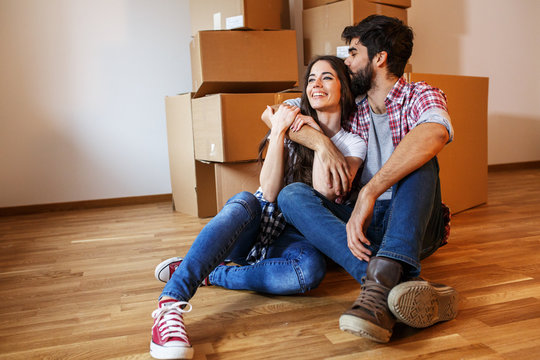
(335, 166)
(419, 146)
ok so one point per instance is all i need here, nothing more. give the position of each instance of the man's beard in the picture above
(361, 80)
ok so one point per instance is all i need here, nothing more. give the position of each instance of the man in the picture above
(398, 217)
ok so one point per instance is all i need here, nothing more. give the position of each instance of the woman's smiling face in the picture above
(323, 87)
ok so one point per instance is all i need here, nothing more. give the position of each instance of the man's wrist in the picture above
(368, 191)
(321, 143)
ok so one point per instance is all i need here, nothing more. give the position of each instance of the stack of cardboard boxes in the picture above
(242, 59)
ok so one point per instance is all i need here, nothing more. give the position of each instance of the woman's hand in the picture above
(302, 120)
(283, 118)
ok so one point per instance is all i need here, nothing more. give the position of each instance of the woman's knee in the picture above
(248, 201)
(313, 270)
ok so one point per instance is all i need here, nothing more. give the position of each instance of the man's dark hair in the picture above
(382, 33)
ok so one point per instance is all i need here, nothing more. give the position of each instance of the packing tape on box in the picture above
(217, 21)
(342, 52)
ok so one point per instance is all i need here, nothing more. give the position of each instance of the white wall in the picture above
(82, 86)
(82, 97)
(498, 39)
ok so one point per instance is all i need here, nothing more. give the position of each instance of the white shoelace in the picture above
(170, 322)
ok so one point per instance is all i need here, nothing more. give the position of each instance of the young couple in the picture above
(357, 183)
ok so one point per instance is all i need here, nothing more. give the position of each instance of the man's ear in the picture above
(380, 58)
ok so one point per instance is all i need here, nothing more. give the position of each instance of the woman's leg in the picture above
(293, 266)
(238, 221)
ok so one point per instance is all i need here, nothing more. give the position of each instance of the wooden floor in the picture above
(80, 285)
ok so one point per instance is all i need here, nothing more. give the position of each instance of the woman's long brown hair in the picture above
(302, 165)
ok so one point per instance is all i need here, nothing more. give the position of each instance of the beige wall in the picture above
(494, 38)
(82, 88)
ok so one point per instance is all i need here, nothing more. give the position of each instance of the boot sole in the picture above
(419, 304)
(360, 327)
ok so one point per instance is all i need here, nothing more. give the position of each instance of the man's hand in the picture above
(358, 223)
(338, 175)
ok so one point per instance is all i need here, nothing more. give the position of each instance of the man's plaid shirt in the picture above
(405, 103)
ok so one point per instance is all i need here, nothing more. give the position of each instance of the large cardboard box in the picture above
(463, 162)
(228, 127)
(323, 25)
(308, 4)
(243, 61)
(192, 182)
(399, 3)
(238, 14)
(232, 178)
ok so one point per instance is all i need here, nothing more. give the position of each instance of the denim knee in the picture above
(248, 201)
(314, 270)
(288, 196)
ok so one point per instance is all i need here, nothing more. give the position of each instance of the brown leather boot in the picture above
(369, 316)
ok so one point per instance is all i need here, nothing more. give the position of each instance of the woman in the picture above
(241, 234)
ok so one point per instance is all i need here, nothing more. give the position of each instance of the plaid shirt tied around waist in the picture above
(272, 224)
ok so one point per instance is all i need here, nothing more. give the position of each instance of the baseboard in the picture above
(87, 204)
(515, 166)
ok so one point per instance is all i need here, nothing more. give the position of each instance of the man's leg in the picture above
(414, 208)
(323, 224)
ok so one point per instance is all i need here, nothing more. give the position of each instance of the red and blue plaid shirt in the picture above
(405, 103)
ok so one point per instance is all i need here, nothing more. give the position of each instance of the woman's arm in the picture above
(335, 167)
(273, 169)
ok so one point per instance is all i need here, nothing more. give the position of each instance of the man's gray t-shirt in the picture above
(379, 149)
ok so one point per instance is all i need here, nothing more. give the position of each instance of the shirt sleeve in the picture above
(294, 102)
(430, 107)
(437, 116)
(350, 144)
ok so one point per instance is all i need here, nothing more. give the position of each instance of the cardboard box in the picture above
(308, 4)
(239, 14)
(323, 25)
(399, 3)
(243, 61)
(228, 127)
(232, 178)
(463, 162)
(192, 182)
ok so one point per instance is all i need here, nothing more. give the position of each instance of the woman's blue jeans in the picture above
(407, 228)
(293, 265)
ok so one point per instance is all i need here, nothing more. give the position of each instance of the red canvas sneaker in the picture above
(169, 336)
(165, 269)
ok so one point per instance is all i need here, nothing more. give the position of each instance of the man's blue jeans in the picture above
(406, 228)
(293, 265)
